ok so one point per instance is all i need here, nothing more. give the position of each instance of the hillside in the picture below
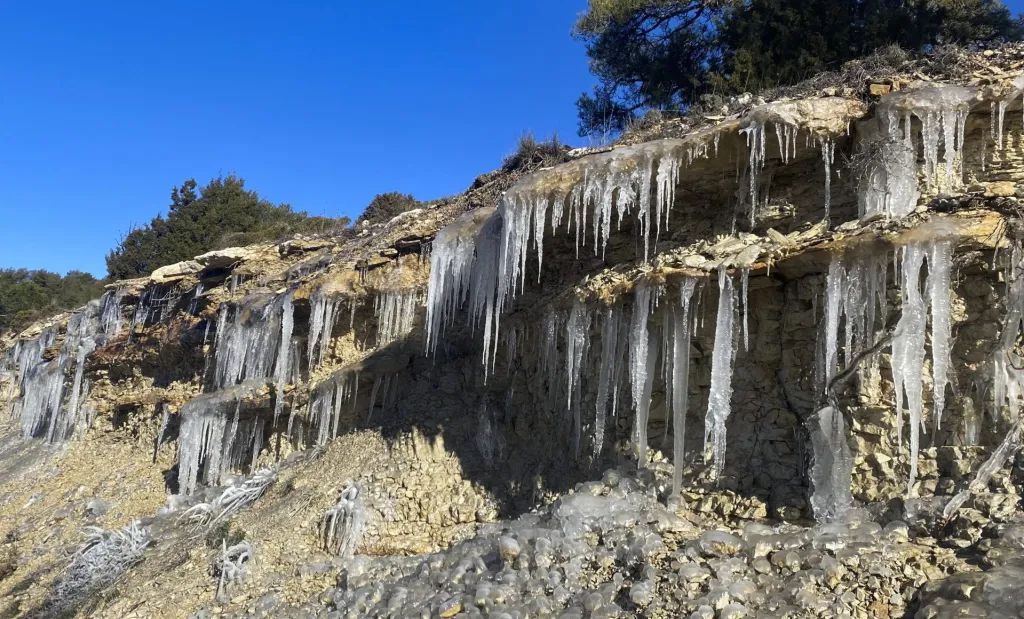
(761, 361)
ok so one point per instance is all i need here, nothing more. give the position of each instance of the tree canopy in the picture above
(385, 206)
(666, 54)
(221, 214)
(29, 295)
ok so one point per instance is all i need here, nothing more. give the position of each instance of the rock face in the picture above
(769, 366)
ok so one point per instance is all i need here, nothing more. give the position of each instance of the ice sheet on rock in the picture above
(215, 437)
(889, 186)
(1007, 378)
(720, 390)
(253, 340)
(45, 405)
(1006, 450)
(832, 471)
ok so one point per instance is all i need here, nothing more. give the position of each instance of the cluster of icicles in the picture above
(255, 345)
(47, 407)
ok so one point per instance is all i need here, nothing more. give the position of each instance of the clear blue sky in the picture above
(107, 105)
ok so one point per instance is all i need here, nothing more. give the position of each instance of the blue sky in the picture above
(107, 105)
(321, 104)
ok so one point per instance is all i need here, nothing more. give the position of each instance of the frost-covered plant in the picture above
(345, 522)
(231, 500)
(230, 566)
(105, 555)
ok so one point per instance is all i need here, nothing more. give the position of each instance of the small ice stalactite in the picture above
(322, 318)
(682, 330)
(611, 353)
(396, 312)
(643, 351)
(193, 305)
(828, 157)
(326, 403)
(345, 522)
(720, 390)
(786, 134)
(745, 300)
(253, 341)
(577, 343)
(832, 471)
(382, 385)
(214, 438)
(755, 135)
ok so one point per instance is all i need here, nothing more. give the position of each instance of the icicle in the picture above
(1002, 105)
(908, 352)
(282, 369)
(249, 344)
(832, 472)
(680, 379)
(755, 163)
(610, 354)
(744, 298)
(834, 286)
(940, 255)
(1007, 379)
(322, 319)
(641, 366)
(577, 341)
(720, 391)
(396, 312)
(828, 154)
(208, 445)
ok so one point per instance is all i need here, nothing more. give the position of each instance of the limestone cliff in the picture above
(764, 362)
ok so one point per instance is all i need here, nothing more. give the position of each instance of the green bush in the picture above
(30, 295)
(221, 214)
(386, 206)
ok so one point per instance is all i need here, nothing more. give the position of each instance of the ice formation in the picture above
(253, 339)
(832, 471)
(217, 435)
(643, 351)
(577, 341)
(328, 401)
(451, 269)
(908, 344)
(720, 390)
(609, 369)
(345, 522)
(682, 332)
(1007, 377)
(395, 311)
(46, 406)
(322, 318)
(854, 305)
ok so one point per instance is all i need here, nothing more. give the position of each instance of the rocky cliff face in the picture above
(766, 364)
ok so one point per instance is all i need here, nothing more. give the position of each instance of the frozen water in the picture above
(720, 390)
